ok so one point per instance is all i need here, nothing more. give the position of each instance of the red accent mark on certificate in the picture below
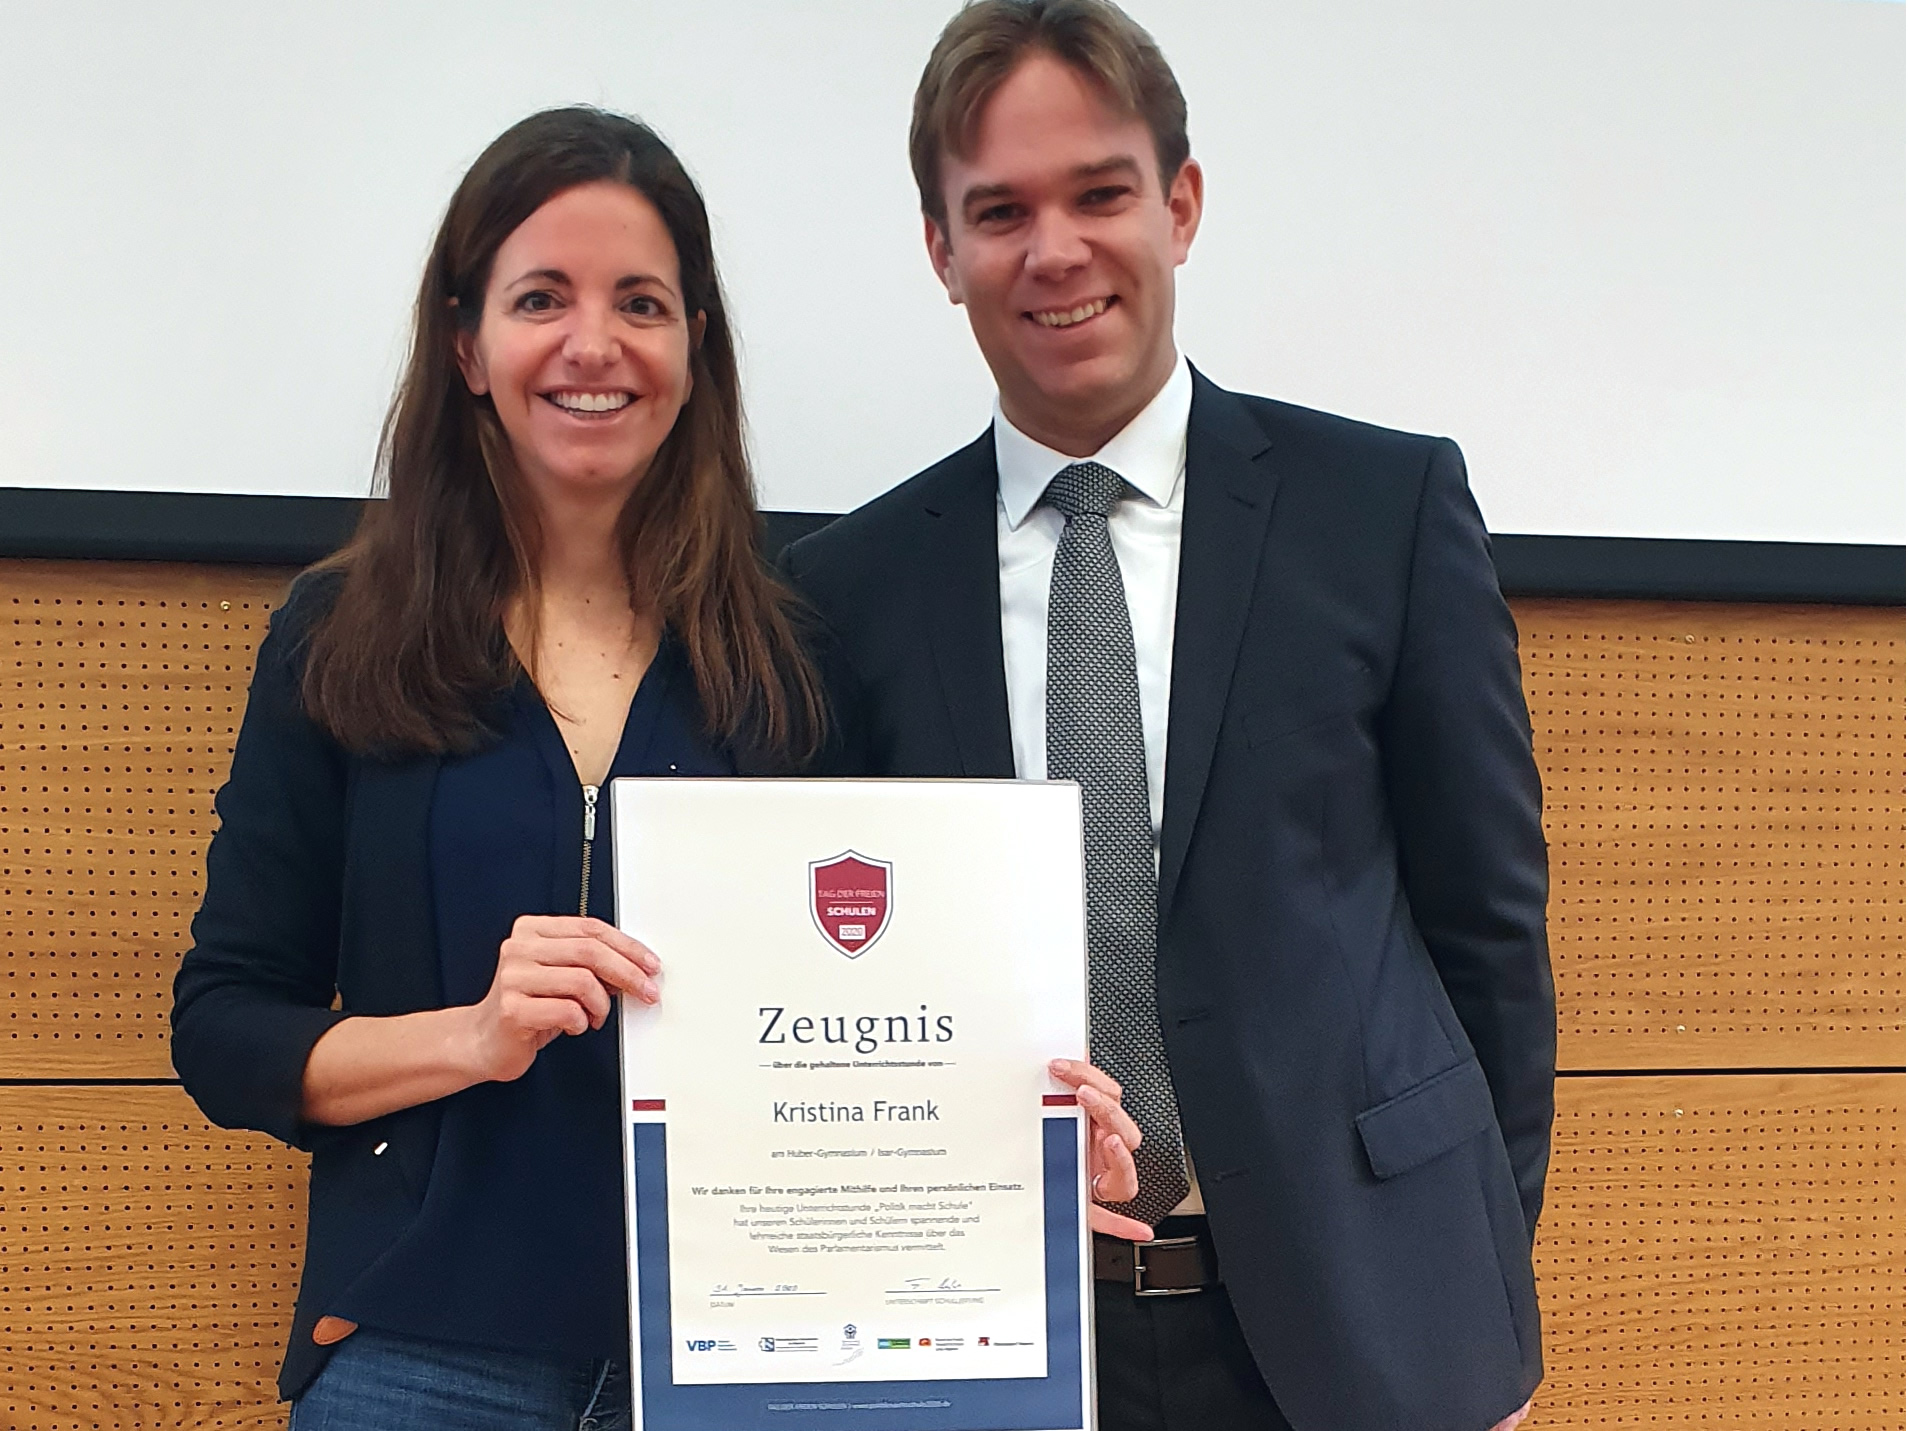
(646, 1105)
(849, 897)
(1058, 1100)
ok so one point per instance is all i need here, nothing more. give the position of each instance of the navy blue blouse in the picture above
(519, 1243)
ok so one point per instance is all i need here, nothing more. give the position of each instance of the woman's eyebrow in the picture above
(541, 275)
(639, 280)
(626, 282)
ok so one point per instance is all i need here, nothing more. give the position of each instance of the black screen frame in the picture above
(73, 524)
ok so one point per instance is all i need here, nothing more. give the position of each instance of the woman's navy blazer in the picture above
(317, 908)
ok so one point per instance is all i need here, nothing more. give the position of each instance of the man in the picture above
(1270, 645)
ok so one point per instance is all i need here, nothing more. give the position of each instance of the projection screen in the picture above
(1643, 258)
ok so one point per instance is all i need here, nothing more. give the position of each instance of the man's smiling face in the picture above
(1062, 246)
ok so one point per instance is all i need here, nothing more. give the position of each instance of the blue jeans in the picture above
(376, 1381)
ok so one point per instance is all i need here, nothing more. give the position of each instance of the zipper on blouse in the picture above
(589, 838)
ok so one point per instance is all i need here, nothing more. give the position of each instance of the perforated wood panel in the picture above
(1724, 805)
(1725, 816)
(1725, 1250)
(147, 1263)
(121, 688)
(1718, 1251)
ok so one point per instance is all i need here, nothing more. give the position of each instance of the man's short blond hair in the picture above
(988, 39)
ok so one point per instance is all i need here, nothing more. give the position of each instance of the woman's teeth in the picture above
(591, 402)
(1067, 317)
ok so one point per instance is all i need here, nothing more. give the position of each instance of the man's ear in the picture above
(941, 255)
(469, 362)
(1186, 201)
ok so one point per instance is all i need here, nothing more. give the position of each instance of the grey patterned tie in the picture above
(1094, 737)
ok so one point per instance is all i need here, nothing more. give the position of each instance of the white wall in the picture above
(1643, 258)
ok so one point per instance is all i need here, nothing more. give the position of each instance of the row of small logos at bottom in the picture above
(850, 1341)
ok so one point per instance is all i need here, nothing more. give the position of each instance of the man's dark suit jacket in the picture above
(1353, 976)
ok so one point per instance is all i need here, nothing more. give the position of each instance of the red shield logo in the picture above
(849, 898)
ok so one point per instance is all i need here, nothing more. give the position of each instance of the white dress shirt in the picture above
(1150, 453)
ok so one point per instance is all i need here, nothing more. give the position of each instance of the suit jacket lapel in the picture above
(960, 589)
(1229, 492)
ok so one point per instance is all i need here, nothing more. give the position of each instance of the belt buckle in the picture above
(1140, 1289)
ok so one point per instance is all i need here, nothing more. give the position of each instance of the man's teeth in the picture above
(591, 402)
(1067, 317)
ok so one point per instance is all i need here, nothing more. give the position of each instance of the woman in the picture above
(562, 586)
(406, 955)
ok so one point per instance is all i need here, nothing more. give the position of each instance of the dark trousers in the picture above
(1177, 1364)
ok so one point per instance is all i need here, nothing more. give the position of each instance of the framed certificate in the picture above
(855, 1196)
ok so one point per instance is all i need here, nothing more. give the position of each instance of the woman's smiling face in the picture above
(583, 344)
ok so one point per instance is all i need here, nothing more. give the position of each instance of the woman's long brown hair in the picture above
(413, 651)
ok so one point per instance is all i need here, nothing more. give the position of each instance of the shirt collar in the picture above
(1149, 452)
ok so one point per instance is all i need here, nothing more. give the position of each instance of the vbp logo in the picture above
(700, 1343)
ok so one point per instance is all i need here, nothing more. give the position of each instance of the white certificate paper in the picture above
(855, 1196)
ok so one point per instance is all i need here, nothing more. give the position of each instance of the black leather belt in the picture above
(1168, 1266)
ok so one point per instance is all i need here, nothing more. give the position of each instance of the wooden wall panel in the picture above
(147, 1263)
(1718, 1251)
(1724, 805)
(121, 688)
(1724, 1250)
(1726, 824)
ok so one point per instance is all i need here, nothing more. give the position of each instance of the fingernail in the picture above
(1057, 1066)
(1088, 1095)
